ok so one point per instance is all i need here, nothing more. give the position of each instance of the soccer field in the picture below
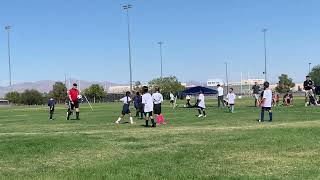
(221, 146)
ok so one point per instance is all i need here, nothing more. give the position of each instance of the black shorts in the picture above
(51, 110)
(74, 105)
(157, 109)
(266, 108)
(171, 101)
(125, 110)
(148, 114)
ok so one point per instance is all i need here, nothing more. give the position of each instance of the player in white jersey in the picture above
(147, 101)
(266, 102)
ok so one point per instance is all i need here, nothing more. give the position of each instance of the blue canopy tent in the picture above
(196, 90)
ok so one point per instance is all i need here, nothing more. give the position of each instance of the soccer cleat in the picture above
(200, 116)
(205, 116)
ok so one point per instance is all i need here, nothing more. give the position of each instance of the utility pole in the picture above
(160, 45)
(8, 28)
(127, 7)
(265, 54)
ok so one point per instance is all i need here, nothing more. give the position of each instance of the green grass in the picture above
(221, 146)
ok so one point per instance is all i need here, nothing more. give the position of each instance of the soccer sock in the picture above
(199, 111)
(270, 115)
(119, 119)
(51, 115)
(69, 114)
(131, 120)
(153, 123)
(232, 108)
(262, 115)
(162, 119)
(77, 114)
(204, 112)
(147, 123)
(158, 119)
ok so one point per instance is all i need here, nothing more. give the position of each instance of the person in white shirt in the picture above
(231, 100)
(147, 101)
(172, 98)
(201, 105)
(220, 95)
(266, 103)
(126, 108)
(157, 100)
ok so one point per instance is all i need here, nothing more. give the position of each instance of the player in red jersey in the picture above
(73, 101)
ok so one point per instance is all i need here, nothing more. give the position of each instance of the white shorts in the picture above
(256, 96)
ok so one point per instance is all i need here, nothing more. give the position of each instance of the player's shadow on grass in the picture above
(73, 120)
(124, 123)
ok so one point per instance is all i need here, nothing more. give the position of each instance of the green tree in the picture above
(95, 92)
(31, 97)
(167, 85)
(137, 86)
(59, 92)
(13, 97)
(285, 84)
(315, 75)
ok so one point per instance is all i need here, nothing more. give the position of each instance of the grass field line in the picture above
(266, 125)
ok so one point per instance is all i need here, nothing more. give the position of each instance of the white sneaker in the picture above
(200, 116)
(205, 116)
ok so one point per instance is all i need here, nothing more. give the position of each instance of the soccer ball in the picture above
(79, 96)
(240, 97)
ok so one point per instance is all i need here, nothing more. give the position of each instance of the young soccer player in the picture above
(172, 98)
(74, 102)
(231, 100)
(201, 105)
(220, 95)
(157, 100)
(266, 103)
(147, 101)
(51, 104)
(126, 108)
(138, 104)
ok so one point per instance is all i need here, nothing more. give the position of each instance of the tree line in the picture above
(96, 93)
(58, 92)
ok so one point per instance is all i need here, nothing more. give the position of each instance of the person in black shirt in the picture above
(51, 104)
(309, 87)
(256, 93)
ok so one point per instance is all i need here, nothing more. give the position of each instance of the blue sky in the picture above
(88, 39)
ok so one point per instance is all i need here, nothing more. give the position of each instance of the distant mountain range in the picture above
(46, 85)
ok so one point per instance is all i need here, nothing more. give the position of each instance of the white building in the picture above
(214, 82)
(118, 89)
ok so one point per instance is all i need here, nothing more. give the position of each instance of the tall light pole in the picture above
(160, 45)
(126, 8)
(8, 28)
(309, 68)
(227, 78)
(265, 53)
